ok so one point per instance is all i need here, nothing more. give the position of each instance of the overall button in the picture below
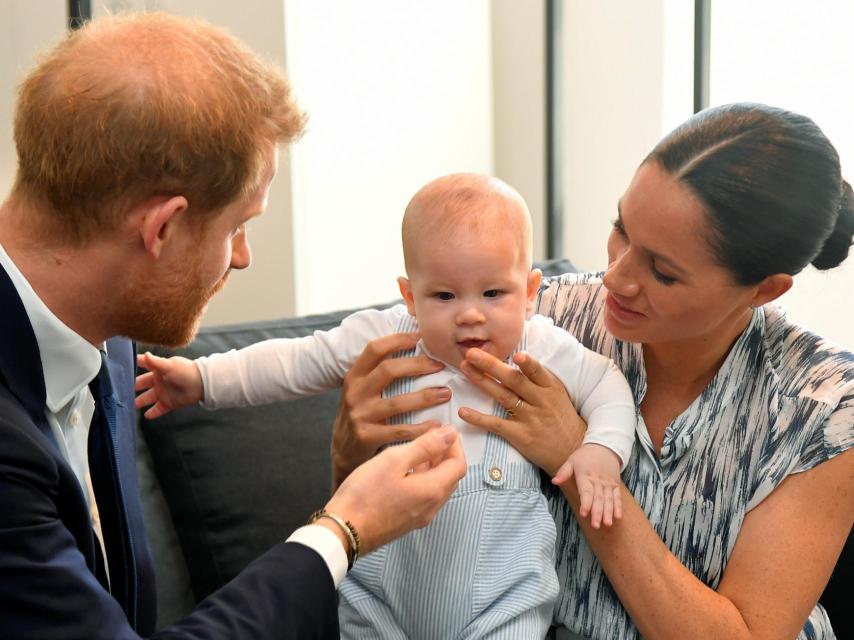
(495, 473)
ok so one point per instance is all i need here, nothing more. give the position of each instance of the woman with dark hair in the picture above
(739, 494)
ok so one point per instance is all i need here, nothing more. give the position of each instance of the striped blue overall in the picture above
(484, 568)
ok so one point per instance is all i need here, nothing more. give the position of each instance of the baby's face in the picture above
(469, 293)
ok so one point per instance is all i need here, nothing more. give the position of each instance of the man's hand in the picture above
(360, 428)
(170, 383)
(384, 498)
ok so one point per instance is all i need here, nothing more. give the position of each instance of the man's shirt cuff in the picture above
(327, 544)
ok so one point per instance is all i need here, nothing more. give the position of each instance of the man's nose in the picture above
(241, 253)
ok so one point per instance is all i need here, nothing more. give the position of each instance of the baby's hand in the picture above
(170, 383)
(597, 475)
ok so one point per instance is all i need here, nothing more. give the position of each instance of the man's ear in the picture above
(406, 292)
(158, 222)
(534, 280)
(771, 288)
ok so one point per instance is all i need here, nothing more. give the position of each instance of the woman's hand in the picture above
(360, 428)
(543, 425)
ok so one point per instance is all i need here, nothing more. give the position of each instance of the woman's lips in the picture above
(622, 312)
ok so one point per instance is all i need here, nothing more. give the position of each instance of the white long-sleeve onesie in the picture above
(283, 369)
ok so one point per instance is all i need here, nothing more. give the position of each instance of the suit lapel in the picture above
(20, 358)
(22, 374)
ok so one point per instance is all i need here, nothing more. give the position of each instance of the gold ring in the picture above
(512, 411)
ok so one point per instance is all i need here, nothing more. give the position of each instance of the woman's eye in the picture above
(662, 278)
(617, 224)
(491, 293)
(444, 295)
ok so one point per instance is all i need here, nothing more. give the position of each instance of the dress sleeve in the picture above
(835, 436)
(805, 433)
(596, 386)
(575, 302)
(284, 369)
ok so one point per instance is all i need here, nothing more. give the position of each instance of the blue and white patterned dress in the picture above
(782, 402)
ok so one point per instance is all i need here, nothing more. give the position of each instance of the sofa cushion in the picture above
(238, 481)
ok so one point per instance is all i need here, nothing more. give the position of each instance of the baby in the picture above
(485, 566)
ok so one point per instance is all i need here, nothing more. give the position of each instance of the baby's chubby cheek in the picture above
(503, 346)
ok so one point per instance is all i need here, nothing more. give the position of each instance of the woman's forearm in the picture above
(663, 598)
(774, 576)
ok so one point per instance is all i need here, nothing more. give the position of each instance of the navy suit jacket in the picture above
(49, 556)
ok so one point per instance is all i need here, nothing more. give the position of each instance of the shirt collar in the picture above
(69, 362)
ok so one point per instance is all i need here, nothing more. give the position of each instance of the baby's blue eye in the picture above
(445, 295)
(491, 293)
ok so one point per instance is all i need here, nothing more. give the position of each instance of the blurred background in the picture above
(560, 98)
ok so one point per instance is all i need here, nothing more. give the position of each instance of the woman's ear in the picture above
(535, 277)
(406, 292)
(771, 288)
(158, 222)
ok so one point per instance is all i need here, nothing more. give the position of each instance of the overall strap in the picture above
(407, 324)
(495, 466)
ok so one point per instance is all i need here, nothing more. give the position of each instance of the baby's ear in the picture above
(406, 292)
(534, 280)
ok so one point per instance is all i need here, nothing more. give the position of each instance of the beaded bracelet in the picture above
(349, 532)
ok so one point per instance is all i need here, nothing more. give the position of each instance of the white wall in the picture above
(519, 75)
(797, 56)
(399, 92)
(447, 86)
(613, 88)
(27, 28)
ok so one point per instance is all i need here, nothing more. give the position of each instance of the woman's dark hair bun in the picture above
(835, 248)
(772, 187)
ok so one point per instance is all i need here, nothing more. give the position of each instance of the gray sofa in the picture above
(221, 487)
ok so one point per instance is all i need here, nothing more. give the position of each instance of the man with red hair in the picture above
(145, 144)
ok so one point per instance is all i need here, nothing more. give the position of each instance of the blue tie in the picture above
(106, 483)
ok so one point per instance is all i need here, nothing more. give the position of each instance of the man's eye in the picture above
(444, 295)
(491, 293)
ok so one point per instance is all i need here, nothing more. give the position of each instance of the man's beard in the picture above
(169, 312)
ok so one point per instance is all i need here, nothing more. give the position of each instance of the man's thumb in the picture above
(430, 447)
